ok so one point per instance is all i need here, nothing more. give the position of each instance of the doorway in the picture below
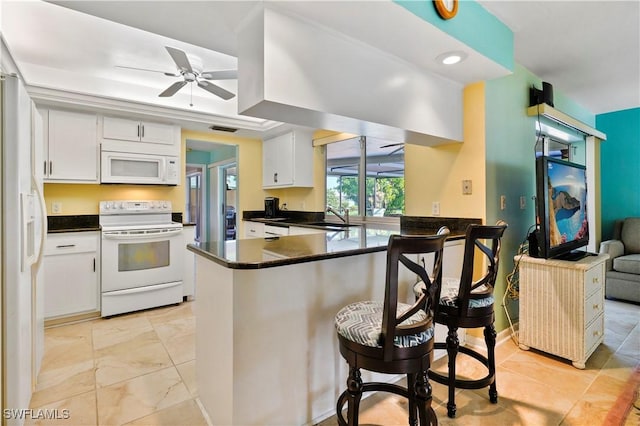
(211, 181)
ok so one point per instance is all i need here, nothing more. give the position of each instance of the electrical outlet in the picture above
(56, 207)
(503, 202)
(466, 187)
(435, 208)
(523, 202)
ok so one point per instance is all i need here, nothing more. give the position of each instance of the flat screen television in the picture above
(561, 208)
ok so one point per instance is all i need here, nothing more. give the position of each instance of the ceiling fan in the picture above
(401, 145)
(190, 69)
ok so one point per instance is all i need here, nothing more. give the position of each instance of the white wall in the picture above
(295, 71)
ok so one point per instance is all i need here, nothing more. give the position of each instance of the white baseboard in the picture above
(502, 337)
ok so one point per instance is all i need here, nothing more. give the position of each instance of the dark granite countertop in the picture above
(85, 223)
(256, 253)
(73, 223)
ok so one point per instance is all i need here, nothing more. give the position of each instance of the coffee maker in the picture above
(271, 207)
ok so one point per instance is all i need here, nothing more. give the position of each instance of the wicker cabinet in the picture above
(562, 306)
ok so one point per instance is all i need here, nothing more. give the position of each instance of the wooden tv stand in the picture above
(562, 306)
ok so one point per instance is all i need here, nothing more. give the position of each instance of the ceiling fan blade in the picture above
(180, 58)
(216, 90)
(171, 90)
(220, 75)
(145, 69)
(392, 144)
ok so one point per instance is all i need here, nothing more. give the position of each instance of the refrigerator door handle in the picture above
(43, 213)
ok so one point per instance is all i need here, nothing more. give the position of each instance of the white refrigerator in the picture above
(23, 234)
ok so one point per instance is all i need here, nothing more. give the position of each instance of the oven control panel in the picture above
(133, 207)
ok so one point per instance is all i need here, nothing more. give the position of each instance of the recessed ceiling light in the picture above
(451, 58)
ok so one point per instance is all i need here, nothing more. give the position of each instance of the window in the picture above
(366, 176)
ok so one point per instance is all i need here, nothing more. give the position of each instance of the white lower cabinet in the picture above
(275, 231)
(71, 274)
(253, 229)
(300, 230)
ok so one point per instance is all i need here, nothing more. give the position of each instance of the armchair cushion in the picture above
(361, 322)
(629, 264)
(614, 248)
(630, 235)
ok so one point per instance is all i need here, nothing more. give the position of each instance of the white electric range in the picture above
(142, 256)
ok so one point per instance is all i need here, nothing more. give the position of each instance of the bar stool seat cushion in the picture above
(361, 322)
(449, 294)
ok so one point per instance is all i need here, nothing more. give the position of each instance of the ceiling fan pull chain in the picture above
(191, 99)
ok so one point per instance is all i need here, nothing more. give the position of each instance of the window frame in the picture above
(362, 182)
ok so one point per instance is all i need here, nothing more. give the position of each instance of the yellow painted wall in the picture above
(436, 173)
(78, 199)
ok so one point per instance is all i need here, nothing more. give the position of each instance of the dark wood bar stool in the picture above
(465, 303)
(391, 337)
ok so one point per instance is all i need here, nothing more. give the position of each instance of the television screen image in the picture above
(562, 209)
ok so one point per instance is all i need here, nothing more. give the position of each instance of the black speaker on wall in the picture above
(544, 96)
(547, 93)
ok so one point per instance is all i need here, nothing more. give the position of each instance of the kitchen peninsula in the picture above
(266, 351)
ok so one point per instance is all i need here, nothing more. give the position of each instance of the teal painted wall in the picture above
(620, 166)
(473, 25)
(510, 164)
(198, 157)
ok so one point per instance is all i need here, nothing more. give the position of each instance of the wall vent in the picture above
(223, 129)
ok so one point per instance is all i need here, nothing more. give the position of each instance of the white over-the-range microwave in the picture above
(136, 168)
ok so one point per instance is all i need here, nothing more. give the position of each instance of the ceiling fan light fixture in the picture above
(451, 58)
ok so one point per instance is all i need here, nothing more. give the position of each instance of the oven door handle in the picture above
(147, 235)
(142, 289)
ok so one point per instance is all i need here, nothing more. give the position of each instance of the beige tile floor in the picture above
(139, 369)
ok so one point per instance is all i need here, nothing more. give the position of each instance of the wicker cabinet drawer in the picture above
(594, 279)
(594, 334)
(593, 307)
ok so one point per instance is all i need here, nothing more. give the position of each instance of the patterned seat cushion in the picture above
(361, 322)
(449, 294)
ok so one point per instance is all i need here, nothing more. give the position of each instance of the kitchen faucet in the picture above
(344, 218)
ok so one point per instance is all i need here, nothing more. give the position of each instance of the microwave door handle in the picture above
(145, 236)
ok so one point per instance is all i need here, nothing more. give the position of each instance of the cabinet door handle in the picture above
(275, 177)
(596, 306)
(596, 280)
(142, 126)
(66, 246)
(50, 167)
(45, 167)
(94, 264)
(138, 130)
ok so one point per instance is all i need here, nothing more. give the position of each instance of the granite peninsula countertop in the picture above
(257, 253)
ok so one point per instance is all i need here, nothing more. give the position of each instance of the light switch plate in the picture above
(435, 208)
(56, 207)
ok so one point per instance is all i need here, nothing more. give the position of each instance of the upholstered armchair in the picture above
(623, 266)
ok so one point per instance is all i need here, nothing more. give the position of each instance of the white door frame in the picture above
(203, 201)
(217, 198)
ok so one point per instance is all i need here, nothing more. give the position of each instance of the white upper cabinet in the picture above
(134, 130)
(70, 146)
(287, 160)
